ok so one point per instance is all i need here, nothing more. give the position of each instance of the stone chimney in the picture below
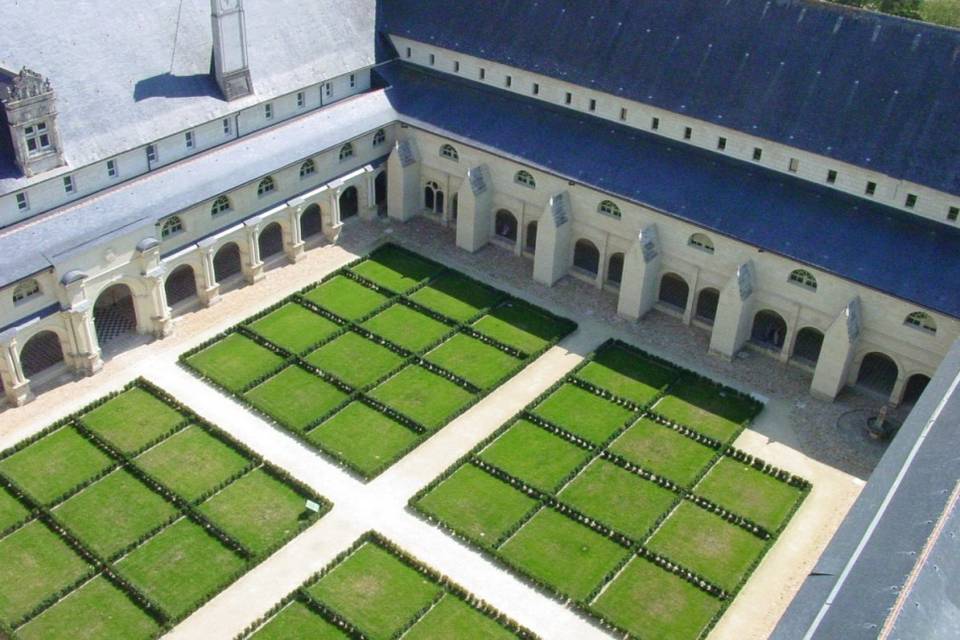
(31, 114)
(230, 63)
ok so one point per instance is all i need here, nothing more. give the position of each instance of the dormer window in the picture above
(37, 138)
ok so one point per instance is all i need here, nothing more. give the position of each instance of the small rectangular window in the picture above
(353, 80)
(227, 128)
(687, 133)
(151, 153)
(953, 213)
(483, 73)
(68, 184)
(655, 123)
(433, 59)
(456, 66)
(112, 171)
(593, 104)
(794, 165)
(22, 203)
(911, 201)
(188, 139)
(871, 188)
(301, 99)
(409, 52)
(721, 143)
(329, 89)
(268, 111)
(623, 114)
(536, 88)
(757, 153)
(569, 98)
(508, 81)
(831, 177)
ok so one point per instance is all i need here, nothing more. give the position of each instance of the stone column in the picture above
(369, 212)
(160, 318)
(293, 240)
(689, 312)
(602, 262)
(641, 270)
(521, 221)
(475, 209)
(209, 293)
(16, 387)
(403, 181)
(732, 325)
(554, 230)
(330, 217)
(836, 354)
(79, 319)
(793, 325)
(253, 266)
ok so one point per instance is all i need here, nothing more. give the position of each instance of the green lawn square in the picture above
(11, 510)
(473, 360)
(652, 603)
(663, 451)
(396, 270)
(375, 591)
(535, 455)
(354, 359)
(55, 464)
(563, 553)
(192, 462)
(619, 499)
(114, 512)
(132, 420)
(258, 510)
(423, 396)
(408, 328)
(179, 566)
(294, 327)
(345, 297)
(708, 545)
(298, 622)
(704, 407)
(457, 296)
(477, 505)
(583, 413)
(363, 436)
(235, 361)
(295, 397)
(627, 374)
(454, 618)
(750, 493)
(522, 326)
(96, 611)
(34, 565)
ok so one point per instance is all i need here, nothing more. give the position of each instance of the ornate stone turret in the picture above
(28, 101)
(230, 63)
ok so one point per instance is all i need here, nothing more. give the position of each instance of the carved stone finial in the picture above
(28, 84)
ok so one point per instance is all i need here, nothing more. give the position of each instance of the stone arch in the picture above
(180, 285)
(311, 221)
(586, 256)
(674, 291)
(227, 262)
(41, 352)
(270, 241)
(531, 242)
(505, 225)
(769, 329)
(708, 300)
(916, 384)
(349, 203)
(806, 348)
(878, 373)
(114, 313)
(615, 269)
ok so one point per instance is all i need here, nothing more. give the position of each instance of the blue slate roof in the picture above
(872, 90)
(833, 232)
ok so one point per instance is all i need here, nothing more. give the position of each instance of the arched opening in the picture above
(226, 262)
(380, 192)
(532, 237)
(114, 315)
(429, 196)
(586, 257)
(311, 221)
(674, 291)
(615, 269)
(349, 203)
(181, 285)
(439, 204)
(270, 241)
(769, 329)
(41, 352)
(455, 207)
(807, 346)
(878, 373)
(707, 302)
(505, 225)
(916, 385)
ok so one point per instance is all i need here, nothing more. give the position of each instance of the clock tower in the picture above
(230, 63)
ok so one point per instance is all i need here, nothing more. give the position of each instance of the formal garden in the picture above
(618, 490)
(123, 518)
(376, 591)
(378, 356)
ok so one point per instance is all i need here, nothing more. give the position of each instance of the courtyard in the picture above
(662, 438)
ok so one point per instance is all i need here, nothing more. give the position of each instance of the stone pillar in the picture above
(403, 181)
(160, 319)
(521, 222)
(692, 301)
(836, 354)
(79, 319)
(16, 388)
(793, 325)
(734, 313)
(330, 217)
(475, 209)
(554, 230)
(602, 262)
(369, 212)
(253, 266)
(641, 270)
(209, 293)
(293, 236)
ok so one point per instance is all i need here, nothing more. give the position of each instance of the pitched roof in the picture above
(871, 90)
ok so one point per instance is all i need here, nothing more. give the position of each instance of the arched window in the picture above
(379, 137)
(307, 169)
(171, 226)
(220, 205)
(702, 242)
(346, 151)
(266, 186)
(26, 289)
(448, 152)
(922, 321)
(525, 179)
(803, 278)
(608, 208)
